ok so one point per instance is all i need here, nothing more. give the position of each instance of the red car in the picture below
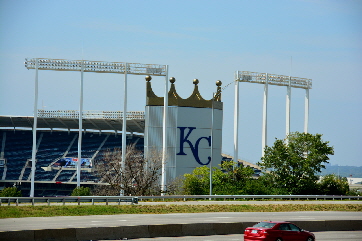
(277, 231)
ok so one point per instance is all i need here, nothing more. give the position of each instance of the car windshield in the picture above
(264, 225)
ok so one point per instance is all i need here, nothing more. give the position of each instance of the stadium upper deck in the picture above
(92, 120)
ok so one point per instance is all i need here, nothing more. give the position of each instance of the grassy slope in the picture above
(47, 211)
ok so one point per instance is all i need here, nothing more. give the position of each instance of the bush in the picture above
(332, 184)
(81, 191)
(10, 192)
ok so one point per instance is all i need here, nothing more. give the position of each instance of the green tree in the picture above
(264, 185)
(332, 184)
(294, 162)
(10, 192)
(197, 182)
(81, 191)
(228, 179)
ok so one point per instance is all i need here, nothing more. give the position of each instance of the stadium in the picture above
(188, 132)
(57, 142)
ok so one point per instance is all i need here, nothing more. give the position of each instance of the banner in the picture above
(71, 162)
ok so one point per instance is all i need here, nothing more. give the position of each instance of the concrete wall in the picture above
(166, 230)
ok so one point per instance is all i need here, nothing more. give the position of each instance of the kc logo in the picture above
(194, 148)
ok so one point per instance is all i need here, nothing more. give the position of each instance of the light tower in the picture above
(89, 66)
(270, 79)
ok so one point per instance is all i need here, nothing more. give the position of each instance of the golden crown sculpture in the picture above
(195, 99)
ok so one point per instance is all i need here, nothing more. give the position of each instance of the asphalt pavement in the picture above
(154, 225)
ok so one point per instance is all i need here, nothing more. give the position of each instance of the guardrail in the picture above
(68, 199)
(251, 197)
(135, 200)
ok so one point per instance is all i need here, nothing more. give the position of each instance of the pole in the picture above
(124, 127)
(287, 121)
(33, 154)
(80, 120)
(236, 117)
(164, 135)
(265, 117)
(306, 110)
(212, 141)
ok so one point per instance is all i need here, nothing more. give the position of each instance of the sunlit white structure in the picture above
(89, 66)
(194, 133)
(270, 79)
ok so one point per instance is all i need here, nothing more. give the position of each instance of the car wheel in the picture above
(310, 239)
(279, 239)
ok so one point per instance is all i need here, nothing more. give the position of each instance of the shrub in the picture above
(81, 191)
(332, 184)
(10, 192)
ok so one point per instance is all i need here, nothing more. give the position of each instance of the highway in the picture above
(320, 236)
(133, 226)
(35, 223)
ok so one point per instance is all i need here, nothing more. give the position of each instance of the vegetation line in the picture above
(51, 211)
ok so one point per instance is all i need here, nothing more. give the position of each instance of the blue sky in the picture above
(208, 40)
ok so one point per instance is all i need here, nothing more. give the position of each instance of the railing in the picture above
(251, 197)
(72, 199)
(134, 200)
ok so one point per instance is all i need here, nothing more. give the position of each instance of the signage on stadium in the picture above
(71, 162)
(194, 147)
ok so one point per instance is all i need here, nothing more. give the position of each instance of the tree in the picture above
(81, 191)
(295, 161)
(228, 179)
(10, 192)
(332, 184)
(138, 176)
(197, 182)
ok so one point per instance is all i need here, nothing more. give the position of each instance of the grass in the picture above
(49, 211)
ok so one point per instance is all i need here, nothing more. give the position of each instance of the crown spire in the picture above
(194, 100)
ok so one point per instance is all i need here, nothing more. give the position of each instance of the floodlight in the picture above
(273, 79)
(96, 66)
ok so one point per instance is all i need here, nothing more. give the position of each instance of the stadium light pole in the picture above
(164, 135)
(287, 111)
(271, 79)
(34, 151)
(86, 66)
(236, 119)
(306, 110)
(124, 127)
(80, 120)
(212, 141)
(265, 117)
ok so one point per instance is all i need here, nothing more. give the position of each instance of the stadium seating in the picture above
(53, 145)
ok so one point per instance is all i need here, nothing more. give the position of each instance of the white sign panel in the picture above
(191, 134)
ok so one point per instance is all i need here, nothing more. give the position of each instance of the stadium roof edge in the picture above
(96, 124)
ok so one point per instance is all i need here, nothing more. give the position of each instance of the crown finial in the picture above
(196, 81)
(148, 78)
(172, 80)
